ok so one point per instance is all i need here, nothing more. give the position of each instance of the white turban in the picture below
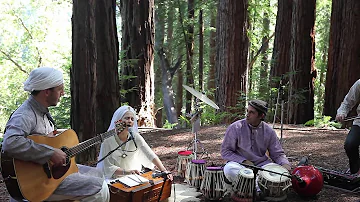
(43, 78)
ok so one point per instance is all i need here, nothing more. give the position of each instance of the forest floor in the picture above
(323, 147)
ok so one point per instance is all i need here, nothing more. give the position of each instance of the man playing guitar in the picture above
(32, 117)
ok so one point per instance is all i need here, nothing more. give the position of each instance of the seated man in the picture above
(246, 141)
(132, 155)
(32, 117)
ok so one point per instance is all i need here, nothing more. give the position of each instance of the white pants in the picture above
(102, 196)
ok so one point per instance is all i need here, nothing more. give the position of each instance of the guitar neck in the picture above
(73, 151)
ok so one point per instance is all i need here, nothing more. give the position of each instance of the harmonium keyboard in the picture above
(145, 192)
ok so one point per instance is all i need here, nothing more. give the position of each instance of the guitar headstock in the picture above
(119, 126)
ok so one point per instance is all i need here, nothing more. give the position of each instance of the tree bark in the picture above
(281, 54)
(301, 94)
(232, 51)
(201, 50)
(94, 77)
(211, 80)
(344, 54)
(189, 54)
(107, 45)
(138, 40)
(167, 90)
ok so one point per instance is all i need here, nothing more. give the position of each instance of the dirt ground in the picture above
(323, 147)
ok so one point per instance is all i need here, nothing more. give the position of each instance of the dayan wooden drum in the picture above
(244, 186)
(212, 186)
(274, 186)
(184, 157)
(195, 172)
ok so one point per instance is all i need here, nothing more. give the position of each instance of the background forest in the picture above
(299, 54)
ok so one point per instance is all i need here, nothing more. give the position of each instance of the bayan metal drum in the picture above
(184, 157)
(195, 172)
(274, 186)
(212, 186)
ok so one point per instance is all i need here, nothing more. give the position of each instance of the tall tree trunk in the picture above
(301, 94)
(138, 40)
(344, 53)
(189, 53)
(167, 90)
(83, 88)
(232, 52)
(107, 45)
(281, 54)
(264, 82)
(211, 80)
(94, 78)
(201, 50)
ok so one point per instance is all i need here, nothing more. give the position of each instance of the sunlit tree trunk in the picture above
(138, 40)
(301, 88)
(344, 53)
(232, 52)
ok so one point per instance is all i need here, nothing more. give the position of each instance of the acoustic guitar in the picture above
(35, 182)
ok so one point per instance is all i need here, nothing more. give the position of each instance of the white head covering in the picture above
(119, 113)
(43, 78)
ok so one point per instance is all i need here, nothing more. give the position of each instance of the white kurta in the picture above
(350, 100)
(134, 158)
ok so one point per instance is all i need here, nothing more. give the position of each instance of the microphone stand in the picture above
(256, 170)
(162, 188)
(112, 151)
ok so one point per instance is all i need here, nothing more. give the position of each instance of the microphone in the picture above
(300, 181)
(160, 174)
(132, 136)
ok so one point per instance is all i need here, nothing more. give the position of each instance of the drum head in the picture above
(198, 161)
(246, 172)
(185, 153)
(273, 177)
(214, 168)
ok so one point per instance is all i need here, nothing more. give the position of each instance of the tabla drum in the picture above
(274, 186)
(195, 172)
(184, 157)
(244, 185)
(212, 185)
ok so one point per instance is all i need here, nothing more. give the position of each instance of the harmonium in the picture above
(148, 190)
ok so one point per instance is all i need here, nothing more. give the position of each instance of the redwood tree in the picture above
(138, 38)
(301, 87)
(344, 53)
(282, 43)
(94, 77)
(232, 52)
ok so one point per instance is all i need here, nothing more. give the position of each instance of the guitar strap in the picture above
(51, 120)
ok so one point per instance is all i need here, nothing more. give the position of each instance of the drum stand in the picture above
(195, 120)
(280, 94)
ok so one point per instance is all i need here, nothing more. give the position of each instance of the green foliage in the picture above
(34, 33)
(169, 125)
(321, 122)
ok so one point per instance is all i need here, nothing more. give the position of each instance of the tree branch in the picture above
(260, 50)
(13, 61)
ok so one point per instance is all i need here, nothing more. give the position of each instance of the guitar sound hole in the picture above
(59, 171)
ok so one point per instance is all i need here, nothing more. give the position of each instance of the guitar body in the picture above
(28, 180)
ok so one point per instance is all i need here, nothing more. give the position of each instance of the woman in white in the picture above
(132, 155)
